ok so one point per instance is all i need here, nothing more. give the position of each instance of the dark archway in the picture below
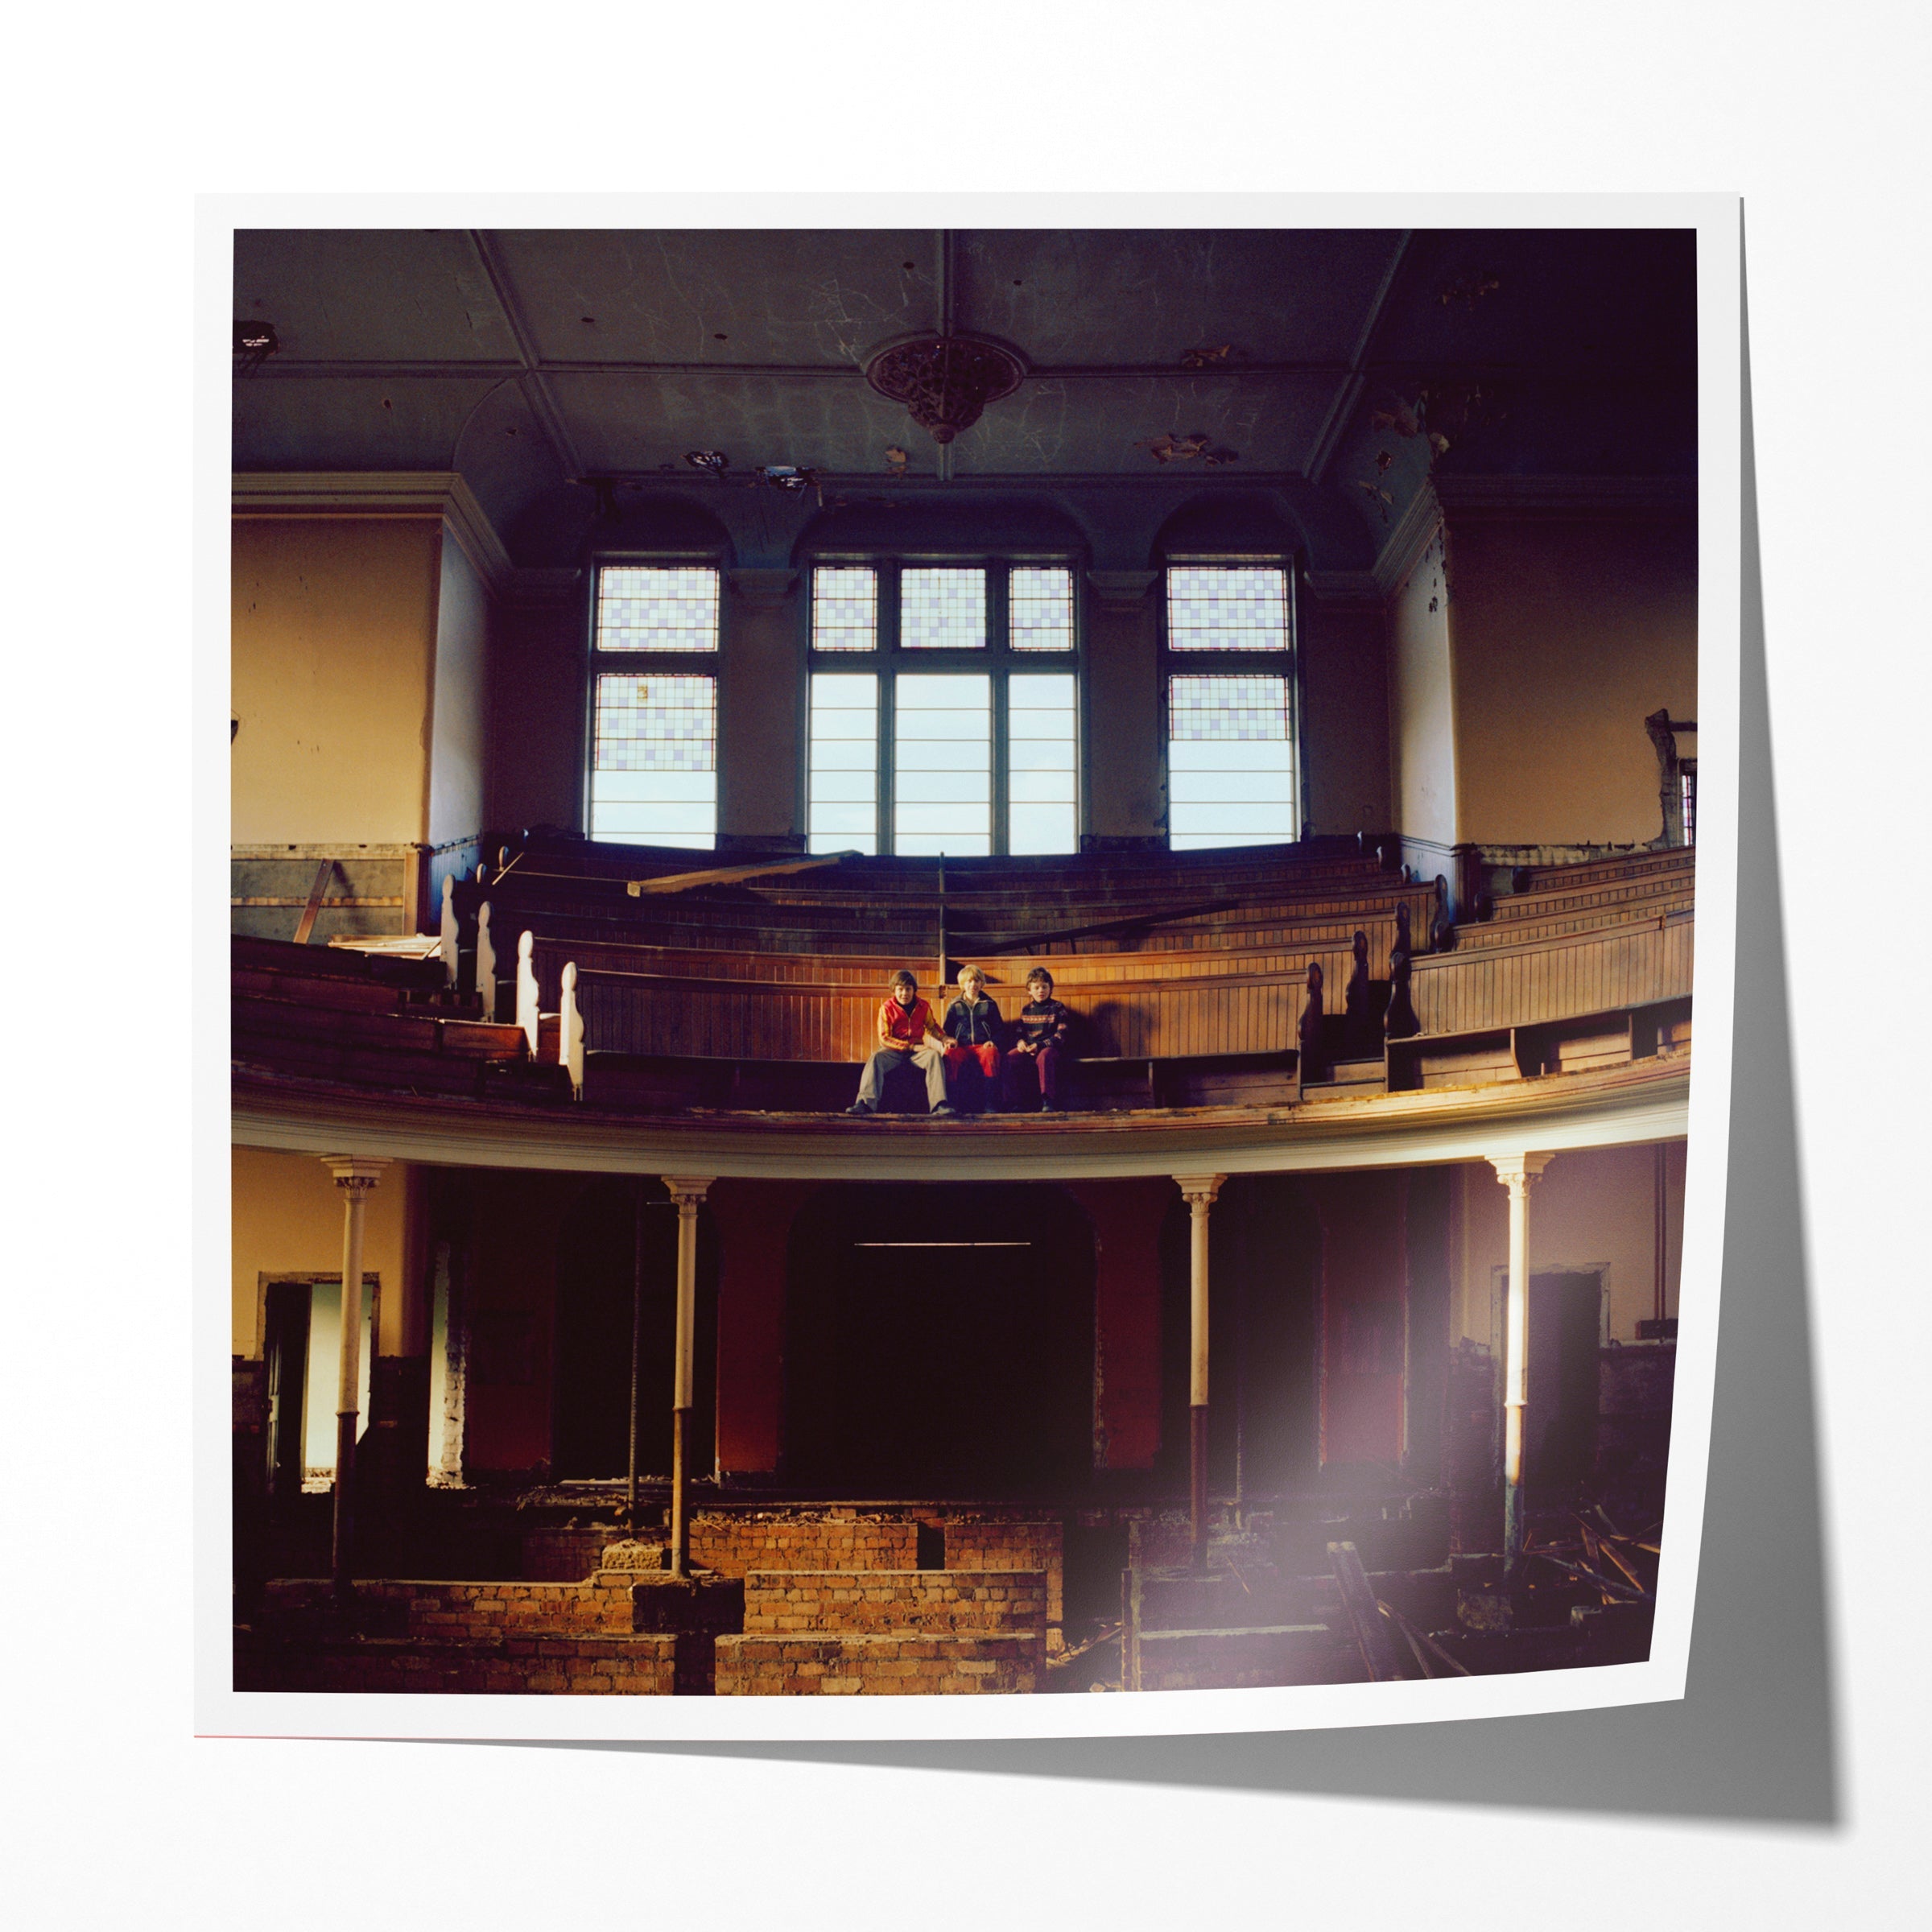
(590, 1429)
(939, 1342)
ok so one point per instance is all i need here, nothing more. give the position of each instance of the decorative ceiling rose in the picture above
(946, 380)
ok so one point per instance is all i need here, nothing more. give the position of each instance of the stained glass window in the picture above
(942, 609)
(1227, 607)
(844, 608)
(1041, 608)
(1230, 762)
(942, 764)
(1043, 744)
(654, 768)
(845, 771)
(649, 607)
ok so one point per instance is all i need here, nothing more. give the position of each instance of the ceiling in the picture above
(1288, 365)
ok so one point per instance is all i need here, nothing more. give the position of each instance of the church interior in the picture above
(644, 645)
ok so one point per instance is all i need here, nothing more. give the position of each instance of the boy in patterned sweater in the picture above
(1039, 1040)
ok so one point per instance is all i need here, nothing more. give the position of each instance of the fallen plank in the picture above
(1366, 1623)
(729, 875)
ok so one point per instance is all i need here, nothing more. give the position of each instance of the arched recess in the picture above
(1227, 523)
(590, 1428)
(939, 1342)
(961, 524)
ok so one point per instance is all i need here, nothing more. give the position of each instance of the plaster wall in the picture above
(1567, 632)
(539, 701)
(1345, 725)
(1124, 750)
(458, 746)
(334, 640)
(761, 702)
(1592, 1208)
(1423, 748)
(286, 1219)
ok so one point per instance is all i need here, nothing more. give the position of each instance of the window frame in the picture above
(1285, 663)
(995, 658)
(600, 663)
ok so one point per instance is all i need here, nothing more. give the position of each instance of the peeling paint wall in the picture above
(1568, 634)
(286, 1219)
(458, 746)
(1421, 710)
(1592, 1208)
(334, 642)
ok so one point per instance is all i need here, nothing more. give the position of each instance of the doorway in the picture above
(1559, 1420)
(939, 1342)
(597, 1256)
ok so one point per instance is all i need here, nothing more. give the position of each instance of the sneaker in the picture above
(1049, 1107)
(860, 1107)
(943, 1111)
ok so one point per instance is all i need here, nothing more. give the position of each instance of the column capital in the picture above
(763, 589)
(355, 1172)
(1198, 1190)
(1519, 1172)
(1121, 589)
(687, 1190)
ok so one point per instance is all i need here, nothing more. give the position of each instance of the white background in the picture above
(117, 1815)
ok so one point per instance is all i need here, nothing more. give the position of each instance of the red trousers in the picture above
(988, 1056)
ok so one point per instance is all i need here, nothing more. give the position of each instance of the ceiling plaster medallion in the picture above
(946, 380)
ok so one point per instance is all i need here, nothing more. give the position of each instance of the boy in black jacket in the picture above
(972, 1028)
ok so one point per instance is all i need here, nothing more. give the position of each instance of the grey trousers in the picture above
(929, 1061)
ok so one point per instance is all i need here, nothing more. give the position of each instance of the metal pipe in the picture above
(637, 1333)
(1518, 1173)
(1198, 1191)
(688, 1191)
(356, 1178)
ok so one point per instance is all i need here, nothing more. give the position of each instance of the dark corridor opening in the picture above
(939, 1342)
(596, 1258)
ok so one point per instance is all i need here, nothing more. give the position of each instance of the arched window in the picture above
(1229, 661)
(944, 706)
(654, 762)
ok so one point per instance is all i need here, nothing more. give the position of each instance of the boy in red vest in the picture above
(906, 1031)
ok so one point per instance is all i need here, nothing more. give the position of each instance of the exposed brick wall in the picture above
(560, 1556)
(734, 1545)
(577, 1667)
(1002, 1546)
(601, 1604)
(826, 1602)
(827, 1667)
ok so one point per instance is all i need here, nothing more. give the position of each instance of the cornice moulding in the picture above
(540, 589)
(1463, 496)
(438, 494)
(1408, 539)
(1121, 589)
(1338, 588)
(764, 589)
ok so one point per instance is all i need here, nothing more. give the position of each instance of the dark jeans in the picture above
(1045, 1064)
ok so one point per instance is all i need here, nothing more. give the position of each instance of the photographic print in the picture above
(962, 964)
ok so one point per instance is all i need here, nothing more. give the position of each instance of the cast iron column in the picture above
(1197, 1190)
(688, 1191)
(357, 1178)
(1519, 1173)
